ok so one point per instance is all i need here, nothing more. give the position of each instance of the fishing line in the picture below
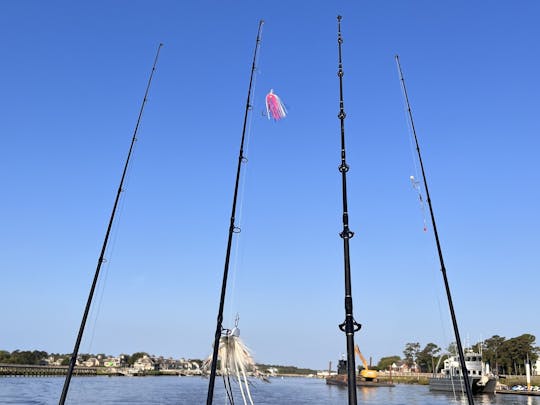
(223, 338)
(249, 134)
(237, 259)
(409, 126)
(109, 253)
(95, 309)
(463, 365)
(415, 183)
(75, 352)
(417, 186)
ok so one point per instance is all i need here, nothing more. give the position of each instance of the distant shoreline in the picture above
(28, 370)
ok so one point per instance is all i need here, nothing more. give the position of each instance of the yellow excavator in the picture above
(366, 373)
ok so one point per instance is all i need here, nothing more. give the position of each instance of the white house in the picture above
(144, 363)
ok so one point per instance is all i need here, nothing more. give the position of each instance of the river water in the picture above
(192, 390)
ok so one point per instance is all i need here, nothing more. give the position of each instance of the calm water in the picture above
(192, 390)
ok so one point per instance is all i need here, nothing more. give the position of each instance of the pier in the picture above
(41, 371)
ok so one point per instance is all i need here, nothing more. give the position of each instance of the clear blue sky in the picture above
(73, 76)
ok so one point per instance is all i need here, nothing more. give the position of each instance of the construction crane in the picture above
(366, 373)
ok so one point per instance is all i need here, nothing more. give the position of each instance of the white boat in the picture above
(450, 379)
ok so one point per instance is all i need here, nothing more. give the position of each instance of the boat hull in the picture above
(455, 384)
(342, 380)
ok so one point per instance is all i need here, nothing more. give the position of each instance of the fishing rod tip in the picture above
(261, 21)
(339, 17)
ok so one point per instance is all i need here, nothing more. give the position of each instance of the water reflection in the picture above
(192, 390)
(487, 399)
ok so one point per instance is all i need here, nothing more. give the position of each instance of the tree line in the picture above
(23, 357)
(507, 356)
(36, 357)
(504, 356)
(287, 369)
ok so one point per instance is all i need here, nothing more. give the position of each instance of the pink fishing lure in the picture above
(274, 107)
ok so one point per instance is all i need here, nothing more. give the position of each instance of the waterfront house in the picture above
(91, 362)
(403, 367)
(145, 363)
(166, 364)
(119, 361)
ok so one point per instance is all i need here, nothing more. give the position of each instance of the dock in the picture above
(41, 371)
(516, 392)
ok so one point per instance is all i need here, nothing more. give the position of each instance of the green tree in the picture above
(411, 353)
(136, 356)
(506, 356)
(124, 359)
(27, 357)
(427, 358)
(516, 350)
(85, 356)
(386, 362)
(452, 348)
(4, 356)
(491, 351)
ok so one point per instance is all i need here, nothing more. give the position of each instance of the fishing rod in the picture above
(232, 227)
(105, 241)
(439, 250)
(349, 326)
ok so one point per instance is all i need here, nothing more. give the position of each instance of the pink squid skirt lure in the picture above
(274, 107)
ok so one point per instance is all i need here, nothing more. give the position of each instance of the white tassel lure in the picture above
(235, 360)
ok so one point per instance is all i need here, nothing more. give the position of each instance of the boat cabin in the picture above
(473, 362)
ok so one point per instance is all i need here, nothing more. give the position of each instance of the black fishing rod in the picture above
(439, 250)
(350, 326)
(232, 227)
(105, 241)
